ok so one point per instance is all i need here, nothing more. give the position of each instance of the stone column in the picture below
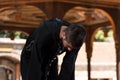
(88, 16)
(3, 75)
(17, 73)
(115, 14)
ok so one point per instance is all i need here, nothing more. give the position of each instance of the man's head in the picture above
(73, 36)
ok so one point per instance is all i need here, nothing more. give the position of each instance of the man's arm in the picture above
(68, 65)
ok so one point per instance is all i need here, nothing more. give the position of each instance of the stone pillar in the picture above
(115, 14)
(117, 41)
(89, 48)
(17, 73)
(9, 75)
(118, 55)
(88, 16)
(3, 75)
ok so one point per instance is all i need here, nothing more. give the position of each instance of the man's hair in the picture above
(75, 34)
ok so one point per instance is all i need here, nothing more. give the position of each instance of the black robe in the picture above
(39, 55)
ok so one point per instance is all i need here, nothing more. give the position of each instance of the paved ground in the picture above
(103, 55)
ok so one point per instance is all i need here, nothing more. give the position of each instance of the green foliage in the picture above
(99, 36)
(2, 33)
(23, 36)
(5, 34)
(110, 33)
(17, 34)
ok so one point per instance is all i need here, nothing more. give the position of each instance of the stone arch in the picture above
(33, 10)
(5, 12)
(25, 10)
(111, 23)
(110, 19)
(73, 13)
(6, 72)
(92, 30)
(11, 64)
(13, 57)
(21, 17)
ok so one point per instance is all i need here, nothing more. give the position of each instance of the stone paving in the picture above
(103, 61)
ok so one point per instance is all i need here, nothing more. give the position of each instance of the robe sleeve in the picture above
(68, 65)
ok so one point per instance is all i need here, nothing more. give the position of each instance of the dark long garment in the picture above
(38, 58)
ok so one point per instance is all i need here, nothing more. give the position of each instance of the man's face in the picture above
(67, 45)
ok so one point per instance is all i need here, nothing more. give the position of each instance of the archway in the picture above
(75, 15)
(106, 55)
(9, 65)
(21, 17)
(93, 19)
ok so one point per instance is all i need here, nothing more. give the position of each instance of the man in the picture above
(39, 55)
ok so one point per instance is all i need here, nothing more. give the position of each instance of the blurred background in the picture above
(99, 57)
